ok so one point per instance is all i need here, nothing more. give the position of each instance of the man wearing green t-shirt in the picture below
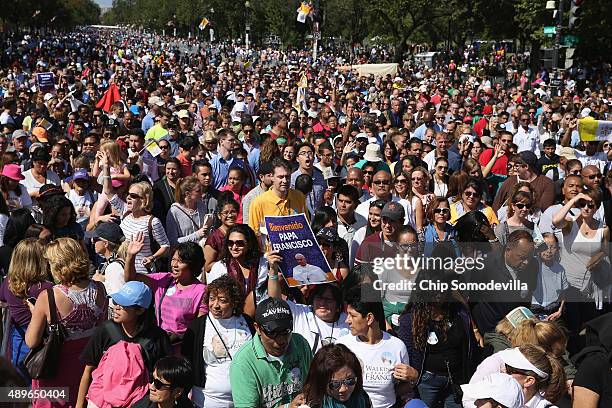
(270, 369)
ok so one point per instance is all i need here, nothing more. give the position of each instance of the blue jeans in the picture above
(436, 391)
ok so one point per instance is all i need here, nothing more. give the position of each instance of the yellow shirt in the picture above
(457, 211)
(270, 204)
(156, 133)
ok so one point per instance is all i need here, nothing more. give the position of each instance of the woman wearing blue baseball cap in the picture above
(132, 321)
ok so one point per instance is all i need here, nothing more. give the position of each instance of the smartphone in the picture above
(208, 220)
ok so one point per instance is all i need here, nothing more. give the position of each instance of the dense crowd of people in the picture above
(135, 185)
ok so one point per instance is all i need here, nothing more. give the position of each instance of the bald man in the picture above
(354, 177)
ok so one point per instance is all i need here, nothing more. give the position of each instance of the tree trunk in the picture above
(400, 49)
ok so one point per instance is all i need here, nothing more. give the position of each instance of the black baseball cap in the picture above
(274, 314)
(109, 231)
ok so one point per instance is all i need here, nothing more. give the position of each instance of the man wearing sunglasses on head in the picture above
(270, 369)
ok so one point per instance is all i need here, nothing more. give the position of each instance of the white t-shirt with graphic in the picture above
(377, 362)
(306, 323)
(234, 332)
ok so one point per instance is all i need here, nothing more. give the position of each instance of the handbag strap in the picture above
(191, 218)
(159, 318)
(220, 337)
(52, 306)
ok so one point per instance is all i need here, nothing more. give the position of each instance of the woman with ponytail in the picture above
(541, 375)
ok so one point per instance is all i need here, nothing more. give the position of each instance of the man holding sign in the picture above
(278, 200)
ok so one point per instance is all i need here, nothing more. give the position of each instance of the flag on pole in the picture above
(109, 98)
(592, 130)
(203, 23)
(154, 148)
(300, 100)
(303, 12)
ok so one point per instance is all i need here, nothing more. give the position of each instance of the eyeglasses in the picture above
(382, 182)
(336, 384)
(369, 172)
(228, 213)
(585, 203)
(276, 333)
(470, 194)
(408, 247)
(160, 385)
(306, 154)
(594, 176)
(164, 147)
(134, 196)
(441, 211)
(520, 206)
(240, 243)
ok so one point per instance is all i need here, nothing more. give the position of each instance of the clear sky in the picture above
(104, 3)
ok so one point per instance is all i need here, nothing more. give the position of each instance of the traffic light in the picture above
(575, 13)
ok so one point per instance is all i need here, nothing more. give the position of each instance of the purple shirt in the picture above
(20, 312)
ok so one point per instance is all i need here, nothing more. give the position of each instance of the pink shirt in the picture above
(179, 306)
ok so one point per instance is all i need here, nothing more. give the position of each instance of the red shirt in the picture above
(480, 126)
(501, 165)
(185, 166)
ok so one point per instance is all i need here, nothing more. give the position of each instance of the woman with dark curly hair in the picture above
(335, 380)
(242, 259)
(212, 339)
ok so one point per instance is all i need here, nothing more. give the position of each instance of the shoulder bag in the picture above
(42, 361)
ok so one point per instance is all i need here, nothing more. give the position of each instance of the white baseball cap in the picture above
(500, 387)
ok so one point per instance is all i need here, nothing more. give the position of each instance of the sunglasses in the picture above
(471, 194)
(586, 204)
(336, 384)
(160, 385)
(134, 196)
(401, 181)
(408, 247)
(240, 243)
(594, 176)
(520, 206)
(369, 172)
(276, 333)
(383, 182)
(164, 147)
(441, 211)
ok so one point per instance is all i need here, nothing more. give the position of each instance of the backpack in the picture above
(122, 376)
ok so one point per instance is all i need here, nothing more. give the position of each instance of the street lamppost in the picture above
(211, 30)
(247, 7)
